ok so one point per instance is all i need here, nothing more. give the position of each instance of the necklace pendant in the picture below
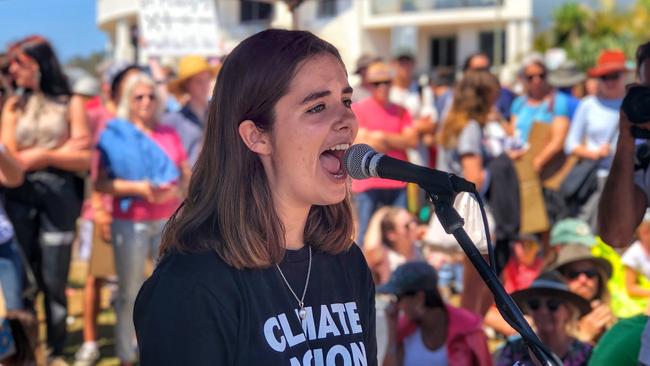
(302, 313)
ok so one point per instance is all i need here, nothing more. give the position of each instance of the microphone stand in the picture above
(453, 224)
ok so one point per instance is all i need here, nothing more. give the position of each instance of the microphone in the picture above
(362, 161)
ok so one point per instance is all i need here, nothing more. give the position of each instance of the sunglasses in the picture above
(531, 77)
(140, 97)
(610, 77)
(590, 273)
(377, 84)
(551, 304)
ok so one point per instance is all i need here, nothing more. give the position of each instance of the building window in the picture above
(254, 10)
(326, 8)
(487, 45)
(443, 51)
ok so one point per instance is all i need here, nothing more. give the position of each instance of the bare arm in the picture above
(473, 169)
(633, 288)
(394, 352)
(74, 155)
(559, 129)
(622, 203)
(408, 138)
(11, 173)
(9, 119)
(121, 187)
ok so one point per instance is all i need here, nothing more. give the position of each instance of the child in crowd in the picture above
(637, 262)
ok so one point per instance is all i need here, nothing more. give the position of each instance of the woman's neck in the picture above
(404, 249)
(145, 126)
(293, 220)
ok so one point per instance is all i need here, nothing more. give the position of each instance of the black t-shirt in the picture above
(197, 310)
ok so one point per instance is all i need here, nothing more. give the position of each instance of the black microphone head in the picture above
(355, 158)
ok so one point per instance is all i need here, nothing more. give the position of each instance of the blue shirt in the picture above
(594, 124)
(527, 114)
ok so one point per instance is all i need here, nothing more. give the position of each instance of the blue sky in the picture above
(68, 24)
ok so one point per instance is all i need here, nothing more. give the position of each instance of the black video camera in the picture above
(636, 106)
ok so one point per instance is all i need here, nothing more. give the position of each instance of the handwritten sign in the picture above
(179, 27)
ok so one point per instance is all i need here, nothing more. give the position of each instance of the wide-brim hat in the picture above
(379, 72)
(550, 284)
(609, 61)
(190, 66)
(572, 253)
(364, 61)
(566, 75)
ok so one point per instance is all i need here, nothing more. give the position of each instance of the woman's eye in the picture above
(347, 103)
(316, 109)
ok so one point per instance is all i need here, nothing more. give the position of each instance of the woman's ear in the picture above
(255, 139)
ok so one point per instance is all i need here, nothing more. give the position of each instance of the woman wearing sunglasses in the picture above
(144, 167)
(587, 277)
(594, 127)
(540, 104)
(554, 309)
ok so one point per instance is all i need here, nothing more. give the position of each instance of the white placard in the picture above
(179, 27)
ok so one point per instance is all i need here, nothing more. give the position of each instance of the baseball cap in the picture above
(410, 277)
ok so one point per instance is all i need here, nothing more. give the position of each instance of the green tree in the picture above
(584, 32)
(87, 63)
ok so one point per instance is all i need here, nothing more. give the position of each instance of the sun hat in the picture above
(566, 75)
(379, 72)
(572, 231)
(364, 61)
(190, 66)
(550, 284)
(572, 253)
(609, 61)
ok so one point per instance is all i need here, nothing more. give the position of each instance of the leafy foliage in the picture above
(584, 32)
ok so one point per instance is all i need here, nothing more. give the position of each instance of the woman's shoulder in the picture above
(179, 273)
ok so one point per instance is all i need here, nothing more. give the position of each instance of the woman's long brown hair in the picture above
(229, 207)
(472, 101)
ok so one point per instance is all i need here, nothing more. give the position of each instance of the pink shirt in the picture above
(375, 117)
(141, 210)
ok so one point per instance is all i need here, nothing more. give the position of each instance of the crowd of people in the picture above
(107, 159)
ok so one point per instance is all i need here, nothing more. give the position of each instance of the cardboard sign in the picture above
(179, 27)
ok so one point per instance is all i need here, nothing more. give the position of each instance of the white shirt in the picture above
(637, 258)
(417, 354)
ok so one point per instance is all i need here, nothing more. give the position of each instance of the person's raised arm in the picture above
(622, 202)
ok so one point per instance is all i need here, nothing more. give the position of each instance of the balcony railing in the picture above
(385, 7)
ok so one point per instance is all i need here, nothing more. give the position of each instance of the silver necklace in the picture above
(302, 312)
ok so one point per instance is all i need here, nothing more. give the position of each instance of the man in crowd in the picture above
(481, 62)
(195, 77)
(627, 191)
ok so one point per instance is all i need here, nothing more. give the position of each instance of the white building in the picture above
(437, 32)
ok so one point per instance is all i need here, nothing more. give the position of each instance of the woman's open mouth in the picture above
(331, 161)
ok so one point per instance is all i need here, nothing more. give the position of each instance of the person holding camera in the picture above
(627, 191)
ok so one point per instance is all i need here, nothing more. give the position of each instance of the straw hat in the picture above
(609, 61)
(190, 66)
(550, 284)
(379, 72)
